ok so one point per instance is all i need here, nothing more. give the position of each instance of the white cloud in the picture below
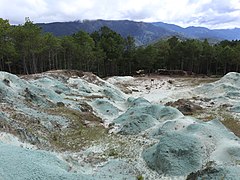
(17, 10)
(209, 13)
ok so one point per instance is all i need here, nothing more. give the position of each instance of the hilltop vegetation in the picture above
(25, 49)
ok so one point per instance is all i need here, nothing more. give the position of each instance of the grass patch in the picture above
(76, 139)
(232, 124)
(140, 177)
(78, 134)
(113, 153)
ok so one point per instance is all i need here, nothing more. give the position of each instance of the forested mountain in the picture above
(143, 33)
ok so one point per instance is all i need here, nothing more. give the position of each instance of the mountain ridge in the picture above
(143, 32)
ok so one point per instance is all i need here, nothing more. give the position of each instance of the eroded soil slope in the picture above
(75, 125)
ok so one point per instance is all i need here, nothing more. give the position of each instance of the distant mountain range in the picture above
(144, 33)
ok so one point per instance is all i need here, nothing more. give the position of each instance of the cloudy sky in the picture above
(207, 13)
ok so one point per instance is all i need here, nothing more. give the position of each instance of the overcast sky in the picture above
(207, 13)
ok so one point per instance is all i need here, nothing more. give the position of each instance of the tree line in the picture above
(25, 49)
(196, 56)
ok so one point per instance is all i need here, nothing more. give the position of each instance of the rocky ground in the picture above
(75, 125)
